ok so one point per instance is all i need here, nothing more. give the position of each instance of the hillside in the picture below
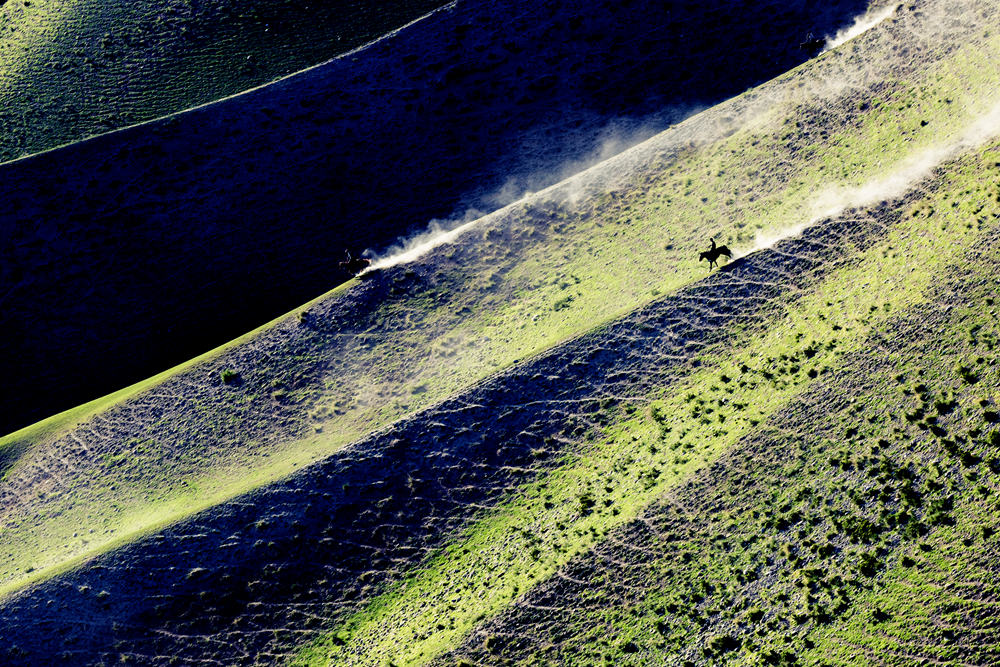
(70, 70)
(557, 438)
(134, 251)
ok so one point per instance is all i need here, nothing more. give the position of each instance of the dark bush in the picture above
(724, 644)
(879, 616)
(859, 529)
(968, 375)
(868, 564)
(630, 647)
(945, 406)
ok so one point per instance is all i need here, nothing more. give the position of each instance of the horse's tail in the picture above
(724, 250)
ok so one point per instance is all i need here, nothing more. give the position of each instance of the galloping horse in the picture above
(712, 254)
(354, 265)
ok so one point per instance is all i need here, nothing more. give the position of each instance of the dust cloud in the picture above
(913, 170)
(862, 24)
(616, 137)
(610, 167)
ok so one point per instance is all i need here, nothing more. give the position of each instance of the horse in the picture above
(713, 253)
(812, 46)
(354, 265)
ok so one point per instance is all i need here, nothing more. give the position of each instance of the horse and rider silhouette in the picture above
(354, 265)
(713, 254)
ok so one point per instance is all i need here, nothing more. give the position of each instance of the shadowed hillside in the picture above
(136, 250)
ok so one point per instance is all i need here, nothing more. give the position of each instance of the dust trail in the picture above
(841, 72)
(616, 137)
(629, 151)
(915, 169)
(438, 233)
(862, 24)
(827, 204)
(613, 138)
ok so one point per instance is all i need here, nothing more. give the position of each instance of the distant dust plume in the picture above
(913, 170)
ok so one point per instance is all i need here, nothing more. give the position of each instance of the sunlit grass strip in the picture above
(622, 263)
(935, 361)
(644, 454)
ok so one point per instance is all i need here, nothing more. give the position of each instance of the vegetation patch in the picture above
(648, 453)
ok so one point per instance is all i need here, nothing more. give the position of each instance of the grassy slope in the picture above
(75, 69)
(825, 539)
(158, 212)
(843, 483)
(648, 453)
(538, 268)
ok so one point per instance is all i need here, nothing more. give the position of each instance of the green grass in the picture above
(927, 604)
(645, 454)
(782, 565)
(490, 305)
(699, 599)
(74, 69)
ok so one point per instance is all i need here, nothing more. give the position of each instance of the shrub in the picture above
(630, 647)
(868, 564)
(724, 643)
(945, 405)
(563, 303)
(969, 459)
(229, 376)
(878, 616)
(967, 374)
(859, 529)
(656, 412)
(939, 511)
